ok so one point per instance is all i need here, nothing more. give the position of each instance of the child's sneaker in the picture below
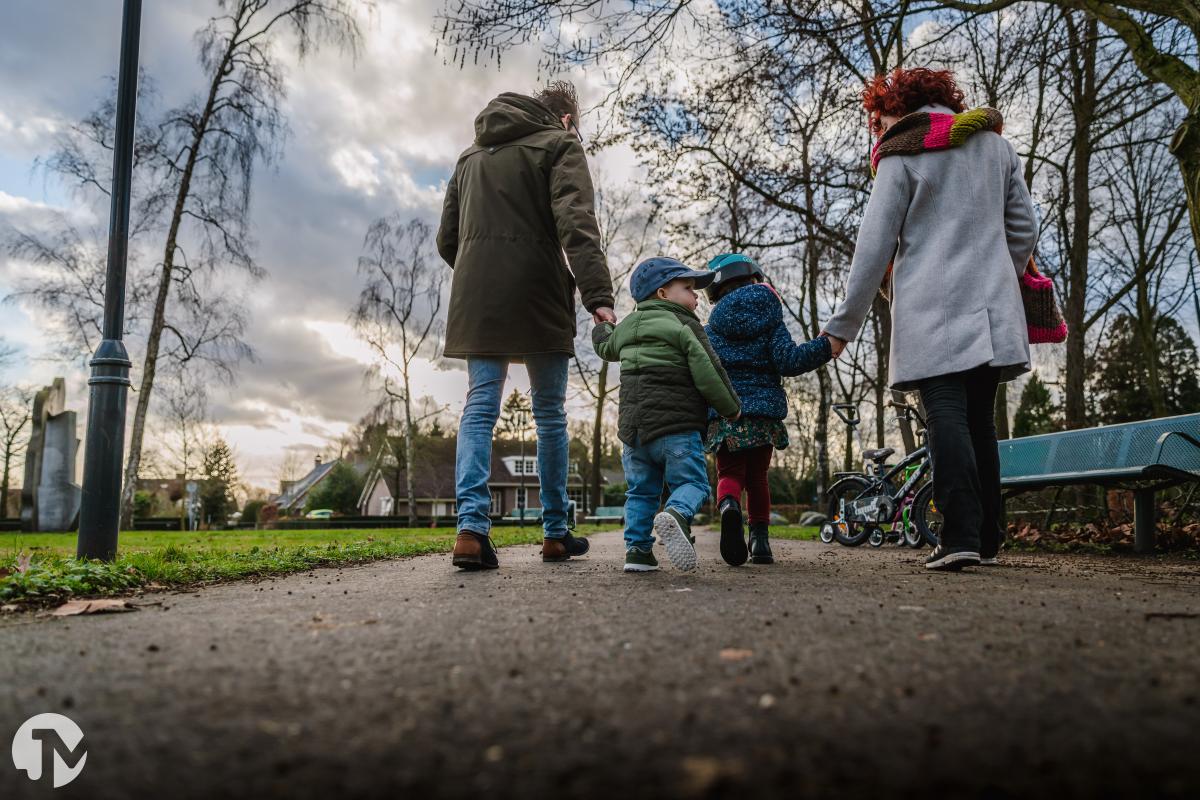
(640, 561)
(672, 530)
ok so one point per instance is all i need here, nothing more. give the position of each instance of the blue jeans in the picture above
(676, 460)
(473, 463)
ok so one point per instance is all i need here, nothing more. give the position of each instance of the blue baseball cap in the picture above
(659, 271)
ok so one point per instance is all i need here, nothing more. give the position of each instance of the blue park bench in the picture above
(604, 514)
(1142, 456)
(532, 514)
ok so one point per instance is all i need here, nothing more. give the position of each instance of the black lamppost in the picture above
(100, 509)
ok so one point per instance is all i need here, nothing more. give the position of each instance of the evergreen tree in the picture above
(516, 416)
(220, 479)
(1035, 411)
(1120, 374)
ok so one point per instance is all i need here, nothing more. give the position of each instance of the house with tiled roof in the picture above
(514, 482)
(294, 494)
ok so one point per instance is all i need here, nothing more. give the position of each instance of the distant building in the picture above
(293, 495)
(166, 494)
(514, 482)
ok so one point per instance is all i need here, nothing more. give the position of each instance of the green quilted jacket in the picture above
(669, 372)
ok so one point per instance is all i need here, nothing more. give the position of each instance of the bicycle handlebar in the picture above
(841, 408)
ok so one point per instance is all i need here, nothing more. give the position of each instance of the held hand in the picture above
(604, 314)
(836, 345)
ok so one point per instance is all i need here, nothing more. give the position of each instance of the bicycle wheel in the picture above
(925, 515)
(847, 533)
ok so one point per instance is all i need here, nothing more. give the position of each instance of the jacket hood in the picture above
(511, 116)
(746, 313)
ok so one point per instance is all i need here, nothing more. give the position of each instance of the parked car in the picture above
(319, 513)
(778, 519)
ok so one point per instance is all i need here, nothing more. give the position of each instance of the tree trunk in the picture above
(825, 392)
(158, 321)
(598, 435)
(8, 455)
(1185, 146)
(1083, 111)
(1144, 329)
(883, 342)
(410, 433)
(1002, 431)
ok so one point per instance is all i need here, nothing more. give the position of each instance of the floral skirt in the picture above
(746, 433)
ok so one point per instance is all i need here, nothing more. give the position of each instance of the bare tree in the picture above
(213, 144)
(15, 405)
(196, 165)
(399, 316)
(1161, 39)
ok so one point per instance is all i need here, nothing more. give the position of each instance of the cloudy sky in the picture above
(368, 138)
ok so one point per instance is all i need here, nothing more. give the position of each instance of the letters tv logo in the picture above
(49, 743)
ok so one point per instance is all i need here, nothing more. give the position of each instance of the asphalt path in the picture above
(834, 673)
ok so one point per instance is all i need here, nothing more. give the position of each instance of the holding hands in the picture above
(604, 314)
(836, 345)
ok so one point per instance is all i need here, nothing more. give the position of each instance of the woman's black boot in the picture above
(733, 536)
(760, 543)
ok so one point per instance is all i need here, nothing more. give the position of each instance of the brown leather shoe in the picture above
(564, 548)
(474, 551)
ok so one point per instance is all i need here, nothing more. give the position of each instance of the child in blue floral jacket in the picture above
(747, 332)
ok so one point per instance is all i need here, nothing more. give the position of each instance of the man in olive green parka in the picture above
(519, 230)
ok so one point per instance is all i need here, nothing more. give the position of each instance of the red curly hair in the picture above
(903, 91)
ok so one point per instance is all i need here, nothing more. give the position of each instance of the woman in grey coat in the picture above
(949, 229)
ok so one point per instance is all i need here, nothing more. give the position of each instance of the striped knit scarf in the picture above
(925, 132)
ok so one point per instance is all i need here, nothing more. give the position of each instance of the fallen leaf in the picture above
(927, 637)
(108, 605)
(734, 654)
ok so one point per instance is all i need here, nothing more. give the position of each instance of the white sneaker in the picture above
(989, 562)
(679, 548)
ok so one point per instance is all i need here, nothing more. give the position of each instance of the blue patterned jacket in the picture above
(747, 332)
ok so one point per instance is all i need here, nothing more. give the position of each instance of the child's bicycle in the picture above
(860, 505)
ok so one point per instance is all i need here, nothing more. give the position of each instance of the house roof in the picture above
(296, 493)
(435, 461)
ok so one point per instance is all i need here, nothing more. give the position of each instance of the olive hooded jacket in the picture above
(518, 210)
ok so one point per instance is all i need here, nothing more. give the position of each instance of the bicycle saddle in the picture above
(878, 455)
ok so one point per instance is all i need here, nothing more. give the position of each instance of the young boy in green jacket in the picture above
(669, 379)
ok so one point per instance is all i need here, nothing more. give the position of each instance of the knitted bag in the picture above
(1042, 315)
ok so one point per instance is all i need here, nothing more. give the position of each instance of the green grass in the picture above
(175, 558)
(807, 534)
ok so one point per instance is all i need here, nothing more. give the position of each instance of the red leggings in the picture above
(746, 470)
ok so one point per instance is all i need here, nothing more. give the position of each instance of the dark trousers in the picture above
(960, 409)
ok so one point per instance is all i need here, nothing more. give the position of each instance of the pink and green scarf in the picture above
(926, 131)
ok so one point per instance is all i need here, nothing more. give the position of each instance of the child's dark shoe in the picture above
(760, 544)
(672, 530)
(733, 537)
(637, 560)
